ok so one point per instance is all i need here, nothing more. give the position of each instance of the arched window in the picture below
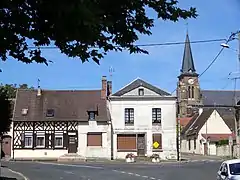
(192, 92)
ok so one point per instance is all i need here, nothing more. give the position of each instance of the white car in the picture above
(229, 170)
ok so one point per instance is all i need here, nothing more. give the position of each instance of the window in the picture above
(126, 142)
(191, 92)
(91, 115)
(58, 140)
(50, 113)
(94, 139)
(129, 116)
(28, 141)
(40, 140)
(141, 92)
(156, 115)
(157, 142)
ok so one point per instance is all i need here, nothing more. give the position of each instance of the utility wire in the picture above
(215, 58)
(147, 45)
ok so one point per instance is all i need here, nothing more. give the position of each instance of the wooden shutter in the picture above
(126, 142)
(157, 138)
(34, 140)
(52, 140)
(94, 139)
(65, 140)
(46, 140)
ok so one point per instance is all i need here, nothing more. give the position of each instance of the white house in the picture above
(206, 129)
(53, 124)
(143, 115)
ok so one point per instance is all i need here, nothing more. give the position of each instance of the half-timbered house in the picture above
(56, 123)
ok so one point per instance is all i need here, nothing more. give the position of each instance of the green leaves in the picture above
(79, 28)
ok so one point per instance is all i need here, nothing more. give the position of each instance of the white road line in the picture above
(134, 174)
(145, 176)
(68, 172)
(71, 165)
(137, 174)
(18, 173)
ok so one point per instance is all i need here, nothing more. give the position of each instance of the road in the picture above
(116, 171)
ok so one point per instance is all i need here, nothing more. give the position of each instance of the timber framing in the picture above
(48, 129)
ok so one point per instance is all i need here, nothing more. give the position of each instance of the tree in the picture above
(87, 29)
(5, 111)
(11, 89)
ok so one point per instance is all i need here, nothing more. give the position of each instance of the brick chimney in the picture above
(109, 88)
(104, 87)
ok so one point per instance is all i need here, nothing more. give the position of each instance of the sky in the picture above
(216, 20)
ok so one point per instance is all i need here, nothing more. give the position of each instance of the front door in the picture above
(72, 143)
(6, 146)
(141, 144)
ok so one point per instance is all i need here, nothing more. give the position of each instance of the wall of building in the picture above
(143, 123)
(103, 151)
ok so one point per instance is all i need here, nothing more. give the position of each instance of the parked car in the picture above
(229, 170)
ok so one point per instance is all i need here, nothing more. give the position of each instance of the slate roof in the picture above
(138, 83)
(219, 98)
(194, 126)
(68, 105)
(187, 63)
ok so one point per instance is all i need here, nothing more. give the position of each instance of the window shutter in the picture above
(47, 140)
(65, 140)
(157, 138)
(34, 140)
(22, 140)
(52, 140)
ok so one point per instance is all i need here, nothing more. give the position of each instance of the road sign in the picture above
(156, 144)
(230, 140)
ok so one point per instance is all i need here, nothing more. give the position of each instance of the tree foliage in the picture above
(5, 111)
(7, 95)
(87, 29)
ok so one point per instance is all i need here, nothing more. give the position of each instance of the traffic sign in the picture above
(156, 144)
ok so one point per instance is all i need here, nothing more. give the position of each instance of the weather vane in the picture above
(111, 71)
(187, 26)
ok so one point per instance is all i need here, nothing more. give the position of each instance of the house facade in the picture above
(207, 129)
(143, 121)
(52, 124)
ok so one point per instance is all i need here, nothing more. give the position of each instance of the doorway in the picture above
(72, 142)
(141, 144)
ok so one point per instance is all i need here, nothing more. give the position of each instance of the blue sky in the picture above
(217, 19)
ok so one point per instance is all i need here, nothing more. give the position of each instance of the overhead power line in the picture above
(148, 45)
(215, 58)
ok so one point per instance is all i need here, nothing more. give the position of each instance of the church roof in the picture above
(220, 98)
(187, 63)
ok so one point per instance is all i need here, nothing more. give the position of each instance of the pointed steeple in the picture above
(187, 63)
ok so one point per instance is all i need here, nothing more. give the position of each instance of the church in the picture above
(207, 117)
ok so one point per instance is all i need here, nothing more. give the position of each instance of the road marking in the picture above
(71, 165)
(133, 174)
(18, 173)
(68, 172)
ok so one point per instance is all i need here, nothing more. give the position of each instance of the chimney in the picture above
(39, 91)
(104, 87)
(109, 88)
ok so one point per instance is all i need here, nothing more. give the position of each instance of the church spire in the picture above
(187, 63)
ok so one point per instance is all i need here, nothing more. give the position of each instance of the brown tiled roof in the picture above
(218, 137)
(68, 105)
(194, 126)
(184, 121)
(193, 119)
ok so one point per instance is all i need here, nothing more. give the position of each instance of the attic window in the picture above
(50, 113)
(24, 112)
(91, 115)
(141, 92)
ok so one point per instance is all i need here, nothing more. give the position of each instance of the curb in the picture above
(18, 173)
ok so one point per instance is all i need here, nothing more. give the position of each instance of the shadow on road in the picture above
(7, 178)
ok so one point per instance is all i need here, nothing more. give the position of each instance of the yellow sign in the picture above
(155, 144)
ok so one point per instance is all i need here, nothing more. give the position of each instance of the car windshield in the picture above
(234, 169)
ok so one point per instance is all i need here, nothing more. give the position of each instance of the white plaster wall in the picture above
(147, 92)
(212, 149)
(38, 153)
(215, 125)
(143, 123)
(94, 152)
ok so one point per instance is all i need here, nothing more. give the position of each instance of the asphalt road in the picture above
(117, 171)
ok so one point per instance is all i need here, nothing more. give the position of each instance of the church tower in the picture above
(188, 90)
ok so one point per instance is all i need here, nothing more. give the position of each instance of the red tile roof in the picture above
(184, 121)
(217, 137)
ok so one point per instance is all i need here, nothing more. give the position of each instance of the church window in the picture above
(192, 91)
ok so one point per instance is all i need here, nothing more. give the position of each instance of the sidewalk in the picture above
(8, 174)
(190, 156)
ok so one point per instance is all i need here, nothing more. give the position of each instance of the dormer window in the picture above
(91, 115)
(141, 92)
(50, 113)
